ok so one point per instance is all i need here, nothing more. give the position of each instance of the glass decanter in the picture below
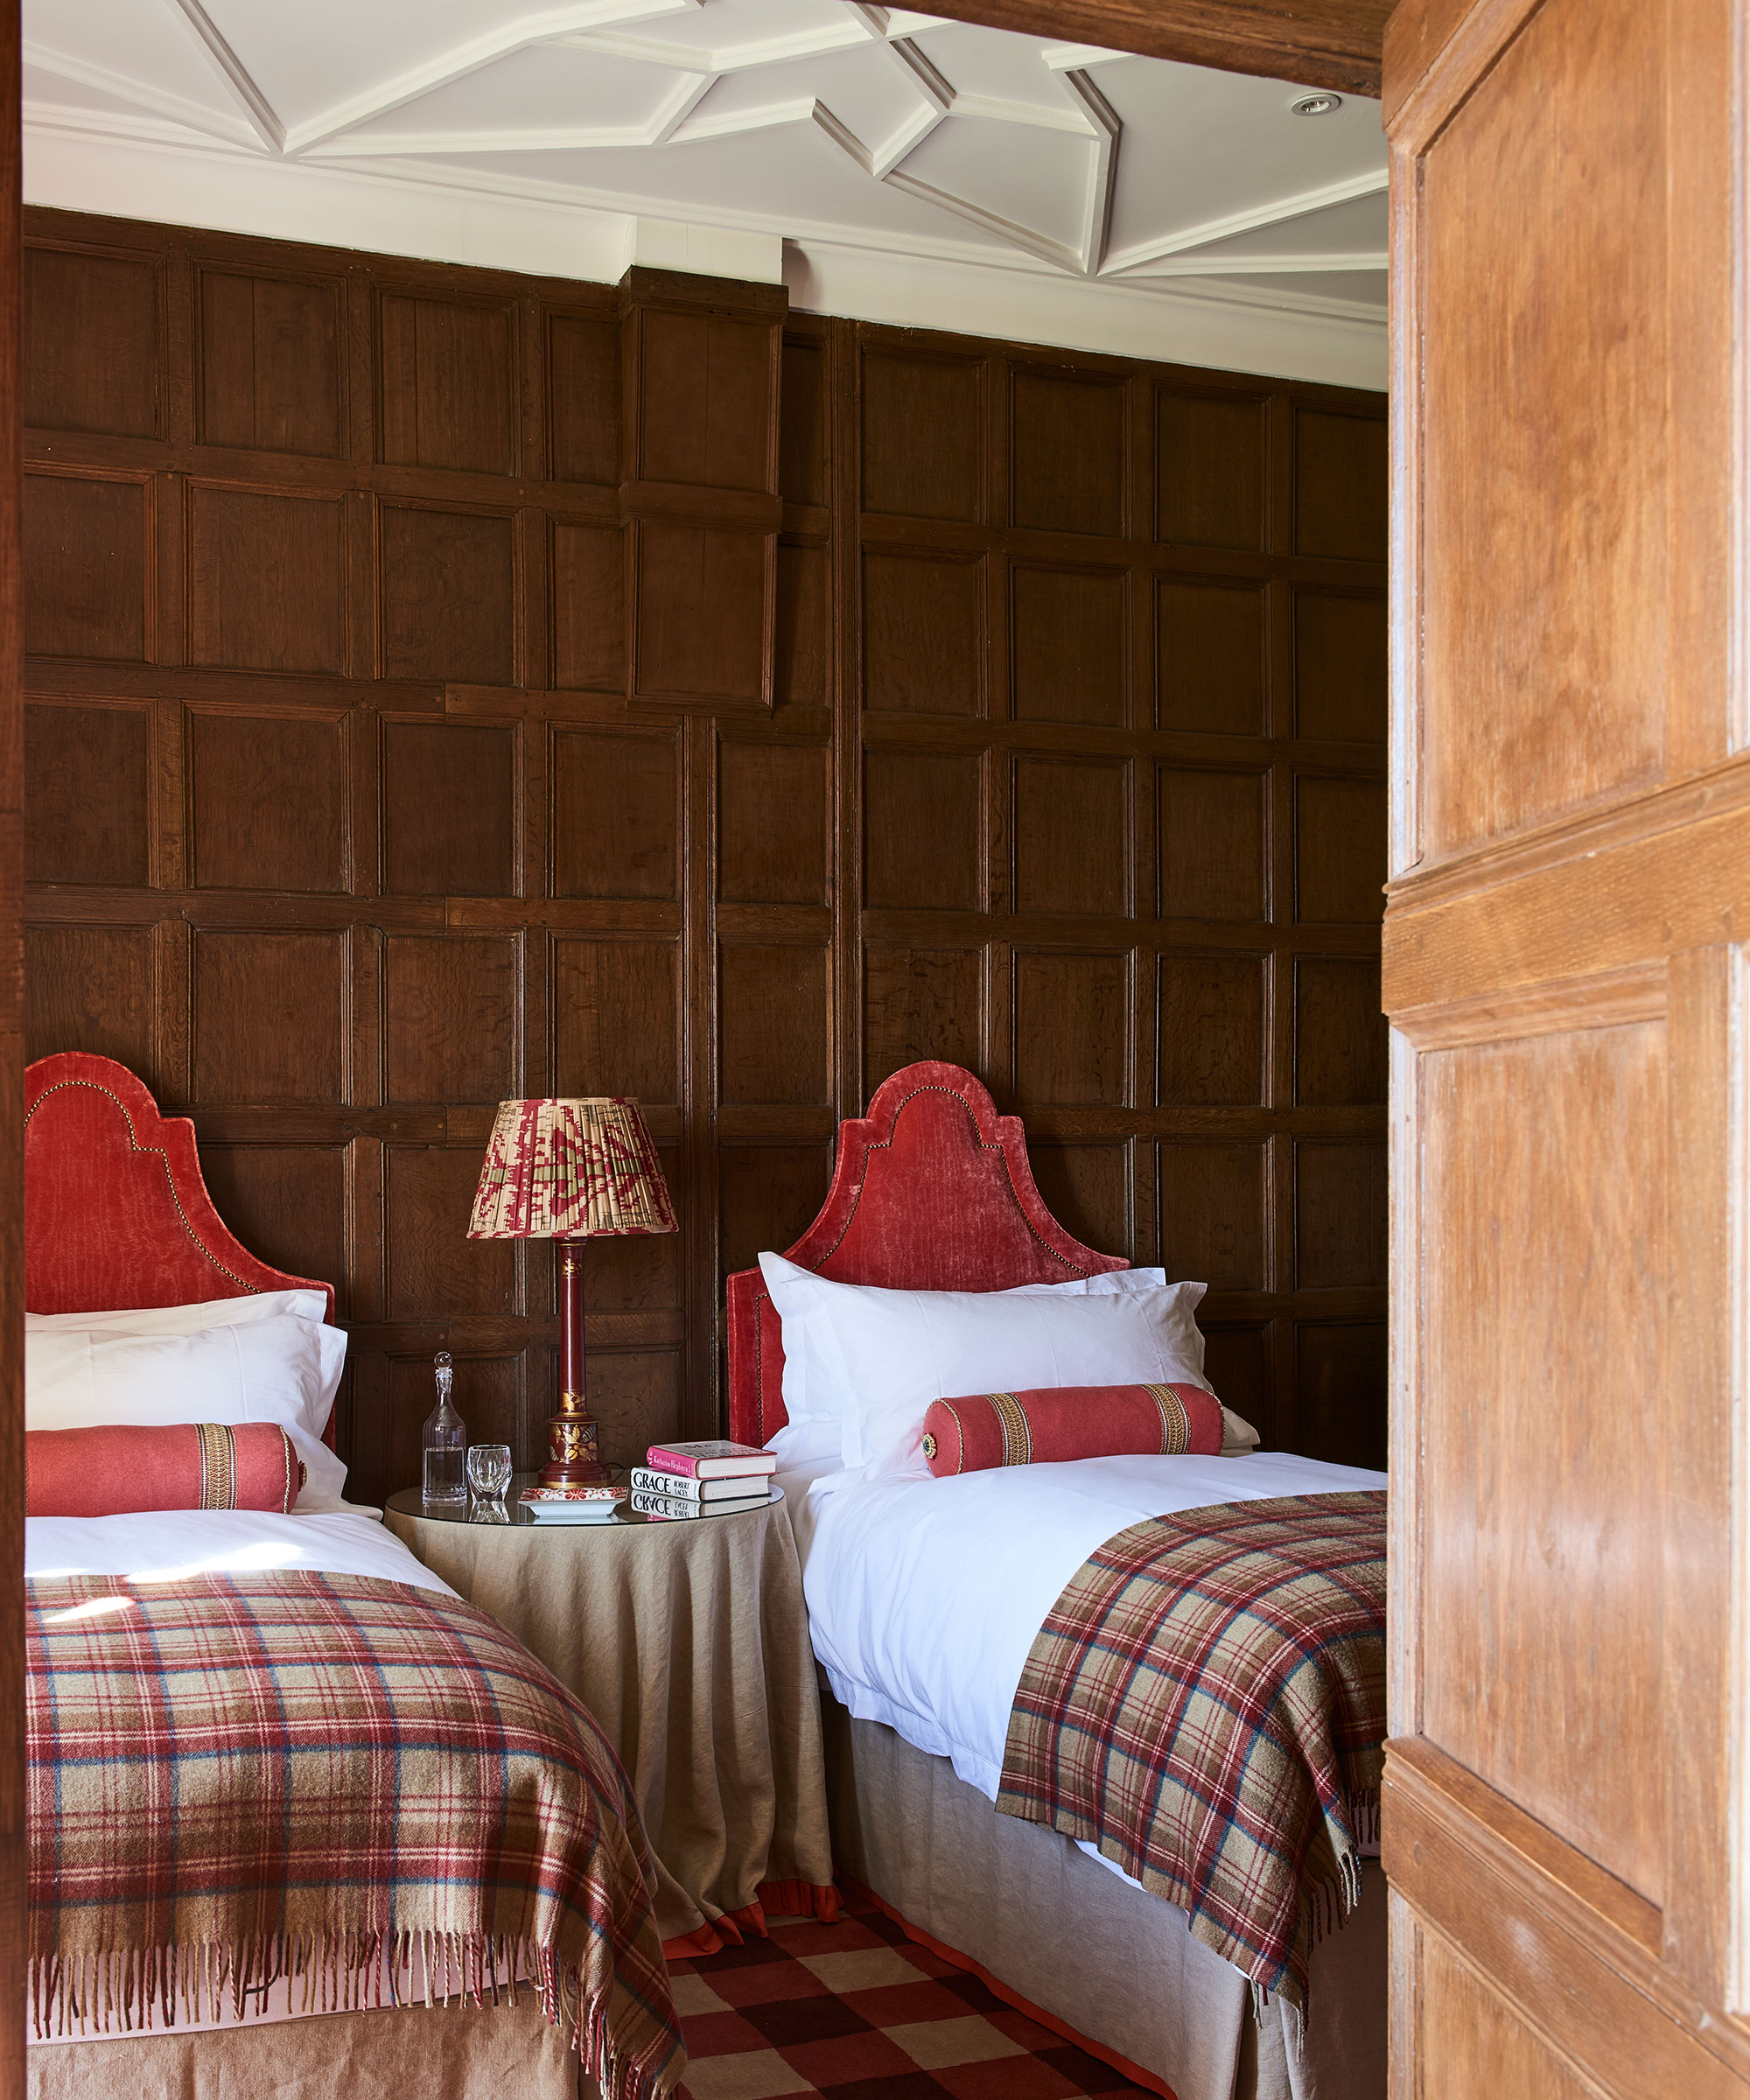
(445, 1443)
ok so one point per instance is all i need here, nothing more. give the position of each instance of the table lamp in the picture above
(571, 1171)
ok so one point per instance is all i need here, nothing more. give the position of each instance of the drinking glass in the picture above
(489, 1471)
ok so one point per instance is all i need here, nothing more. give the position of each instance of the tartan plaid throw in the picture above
(1205, 1704)
(240, 1781)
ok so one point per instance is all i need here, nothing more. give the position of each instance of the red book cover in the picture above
(712, 1459)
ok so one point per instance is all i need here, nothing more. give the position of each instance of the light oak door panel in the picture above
(1567, 988)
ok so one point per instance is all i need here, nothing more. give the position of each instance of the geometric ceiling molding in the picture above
(838, 120)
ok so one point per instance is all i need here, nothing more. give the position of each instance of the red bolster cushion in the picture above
(116, 1470)
(1051, 1423)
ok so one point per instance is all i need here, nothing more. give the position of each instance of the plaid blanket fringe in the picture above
(196, 1708)
(1205, 1705)
(144, 1991)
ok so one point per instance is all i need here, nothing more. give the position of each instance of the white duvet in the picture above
(924, 1596)
(162, 1545)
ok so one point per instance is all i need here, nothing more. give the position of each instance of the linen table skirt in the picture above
(689, 1642)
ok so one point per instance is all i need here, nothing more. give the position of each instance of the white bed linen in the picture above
(159, 1545)
(924, 1596)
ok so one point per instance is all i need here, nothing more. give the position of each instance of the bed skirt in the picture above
(1049, 1926)
(415, 2052)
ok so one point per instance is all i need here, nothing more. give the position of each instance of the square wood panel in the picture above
(706, 386)
(773, 1007)
(1340, 485)
(1069, 453)
(1069, 653)
(1340, 1215)
(287, 1203)
(271, 362)
(1215, 1212)
(616, 814)
(86, 793)
(589, 607)
(448, 588)
(267, 800)
(1340, 1391)
(702, 594)
(803, 422)
(1340, 850)
(434, 1270)
(773, 844)
(86, 566)
(1215, 833)
(90, 987)
(1210, 657)
(923, 450)
(1087, 1188)
(802, 640)
(1340, 666)
(923, 634)
(451, 1005)
(446, 387)
(491, 1396)
(922, 831)
(767, 1196)
(1072, 832)
(583, 398)
(921, 1002)
(266, 580)
(1209, 468)
(269, 1016)
(90, 348)
(1236, 1362)
(1071, 1029)
(616, 1018)
(1340, 1054)
(1212, 1032)
(449, 809)
(634, 1393)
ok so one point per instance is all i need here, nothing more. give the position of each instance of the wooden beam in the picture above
(1320, 42)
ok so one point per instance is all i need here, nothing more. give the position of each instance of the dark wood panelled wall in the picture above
(342, 826)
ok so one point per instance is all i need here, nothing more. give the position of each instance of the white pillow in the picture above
(310, 1307)
(283, 1368)
(190, 1319)
(809, 1391)
(888, 1354)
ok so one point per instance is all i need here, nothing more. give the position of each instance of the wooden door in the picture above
(1567, 982)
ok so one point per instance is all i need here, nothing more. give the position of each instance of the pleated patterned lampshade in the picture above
(570, 1169)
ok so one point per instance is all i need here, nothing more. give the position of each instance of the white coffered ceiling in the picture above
(831, 124)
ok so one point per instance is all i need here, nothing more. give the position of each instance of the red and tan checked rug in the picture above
(856, 2010)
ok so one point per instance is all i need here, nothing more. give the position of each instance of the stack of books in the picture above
(710, 1478)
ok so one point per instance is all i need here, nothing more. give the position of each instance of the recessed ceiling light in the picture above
(1317, 105)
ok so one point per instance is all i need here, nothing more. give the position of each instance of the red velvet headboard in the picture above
(931, 1191)
(116, 1212)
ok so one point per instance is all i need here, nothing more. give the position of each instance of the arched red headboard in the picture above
(117, 1214)
(931, 1191)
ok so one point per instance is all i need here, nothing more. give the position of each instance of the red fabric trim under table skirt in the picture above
(781, 1899)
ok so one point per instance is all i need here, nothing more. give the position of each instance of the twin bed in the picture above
(926, 1597)
(446, 1820)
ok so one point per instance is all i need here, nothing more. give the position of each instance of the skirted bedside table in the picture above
(689, 1642)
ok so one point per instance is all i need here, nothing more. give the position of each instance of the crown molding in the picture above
(149, 169)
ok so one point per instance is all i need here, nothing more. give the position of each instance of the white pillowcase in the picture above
(885, 1356)
(809, 1390)
(82, 1372)
(190, 1319)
